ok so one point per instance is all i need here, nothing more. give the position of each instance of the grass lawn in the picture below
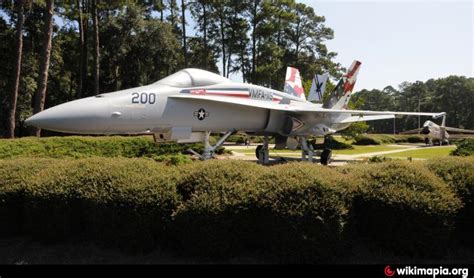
(356, 150)
(424, 153)
(369, 149)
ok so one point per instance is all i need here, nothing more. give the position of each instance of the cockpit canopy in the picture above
(428, 124)
(192, 78)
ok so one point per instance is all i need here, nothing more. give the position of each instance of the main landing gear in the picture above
(308, 152)
(326, 156)
(262, 153)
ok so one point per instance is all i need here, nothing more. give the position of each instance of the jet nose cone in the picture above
(88, 115)
(35, 120)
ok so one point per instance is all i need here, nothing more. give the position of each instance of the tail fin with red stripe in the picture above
(342, 93)
(293, 85)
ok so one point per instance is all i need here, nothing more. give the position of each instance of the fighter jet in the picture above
(191, 103)
(436, 133)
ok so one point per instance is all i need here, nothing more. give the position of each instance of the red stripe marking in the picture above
(227, 94)
(292, 75)
(230, 95)
(353, 70)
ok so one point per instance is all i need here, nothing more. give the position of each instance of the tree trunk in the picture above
(85, 60)
(297, 42)
(183, 23)
(81, 48)
(95, 24)
(254, 40)
(223, 46)
(40, 96)
(17, 70)
(242, 61)
(162, 10)
(204, 30)
(173, 19)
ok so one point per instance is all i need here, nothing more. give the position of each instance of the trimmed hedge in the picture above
(459, 175)
(305, 210)
(367, 140)
(403, 207)
(334, 144)
(296, 212)
(464, 148)
(104, 146)
(291, 213)
(116, 202)
(220, 200)
(378, 139)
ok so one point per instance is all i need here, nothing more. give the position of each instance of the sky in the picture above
(396, 41)
(399, 41)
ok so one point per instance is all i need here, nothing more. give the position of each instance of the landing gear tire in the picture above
(258, 151)
(326, 156)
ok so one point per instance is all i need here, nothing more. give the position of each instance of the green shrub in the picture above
(377, 139)
(464, 148)
(219, 201)
(334, 144)
(402, 207)
(303, 210)
(14, 177)
(458, 173)
(237, 138)
(172, 159)
(119, 202)
(366, 140)
(292, 213)
(415, 139)
(296, 212)
(378, 159)
(82, 146)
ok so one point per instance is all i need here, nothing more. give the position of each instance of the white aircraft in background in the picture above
(191, 103)
(434, 132)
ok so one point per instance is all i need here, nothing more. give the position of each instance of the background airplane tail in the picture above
(293, 85)
(341, 95)
(317, 88)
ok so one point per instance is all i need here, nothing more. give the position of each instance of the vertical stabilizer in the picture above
(317, 88)
(293, 85)
(342, 93)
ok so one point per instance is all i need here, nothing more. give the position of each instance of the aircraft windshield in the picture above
(192, 78)
(427, 123)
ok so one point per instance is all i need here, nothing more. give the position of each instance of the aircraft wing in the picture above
(238, 101)
(370, 112)
(362, 118)
(459, 130)
(296, 108)
(412, 131)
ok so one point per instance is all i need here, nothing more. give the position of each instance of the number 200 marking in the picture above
(144, 98)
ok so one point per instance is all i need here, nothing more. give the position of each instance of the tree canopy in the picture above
(133, 43)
